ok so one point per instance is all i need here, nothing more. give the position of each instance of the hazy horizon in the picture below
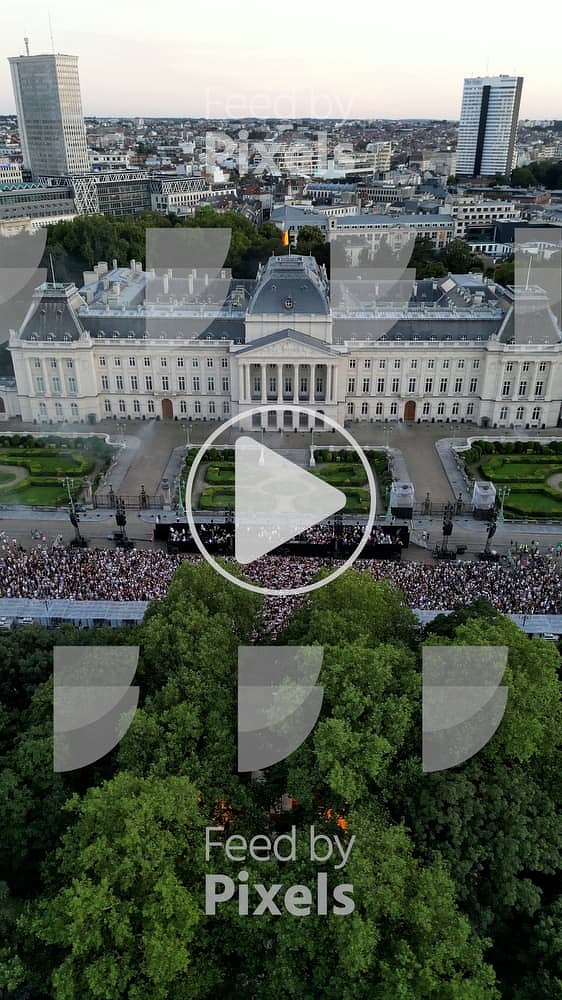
(163, 62)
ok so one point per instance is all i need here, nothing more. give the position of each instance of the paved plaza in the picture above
(147, 452)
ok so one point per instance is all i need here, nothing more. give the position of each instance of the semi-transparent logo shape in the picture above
(278, 701)
(462, 704)
(20, 275)
(93, 702)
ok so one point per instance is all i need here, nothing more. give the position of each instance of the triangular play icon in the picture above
(275, 500)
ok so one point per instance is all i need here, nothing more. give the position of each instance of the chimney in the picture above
(114, 264)
(133, 265)
(105, 284)
(165, 284)
(206, 279)
(139, 266)
(190, 283)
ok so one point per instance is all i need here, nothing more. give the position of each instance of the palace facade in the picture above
(137, 345)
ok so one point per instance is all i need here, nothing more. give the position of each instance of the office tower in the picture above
(488, 125)
(50, 119)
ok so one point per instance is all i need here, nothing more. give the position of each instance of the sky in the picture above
(290, 58)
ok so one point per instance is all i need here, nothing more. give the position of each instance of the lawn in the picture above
(216, 498)
(525, 474)
(508, 470)
(220, 475)
(350, 477)
(348, 474)
(524, 503)
(46, 462)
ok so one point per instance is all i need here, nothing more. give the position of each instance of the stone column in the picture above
(279, 375)
(166, 494)
(88, 493)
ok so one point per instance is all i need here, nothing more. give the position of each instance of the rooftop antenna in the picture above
(26, 40)
(51, 32)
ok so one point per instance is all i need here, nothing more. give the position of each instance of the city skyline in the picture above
(153, 66)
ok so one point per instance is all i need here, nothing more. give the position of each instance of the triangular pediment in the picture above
(289, 343)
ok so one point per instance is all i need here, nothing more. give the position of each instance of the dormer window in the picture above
(288, 303)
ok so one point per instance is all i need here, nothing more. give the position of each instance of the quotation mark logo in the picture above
(278, 702)
(93, 701)
(20, 273)
(463, 703)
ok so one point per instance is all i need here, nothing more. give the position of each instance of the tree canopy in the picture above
(539, 173)
(80, 243)
(454, 874)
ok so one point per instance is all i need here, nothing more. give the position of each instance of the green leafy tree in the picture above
(493, 819)
(458, 258)
(424, 259)
(311, 240)
(126, 920)
(504, 274)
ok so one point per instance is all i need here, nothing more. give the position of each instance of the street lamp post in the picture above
(388, 505)
(503, 492)
(312, 460)
(181, 508)
(69, 483)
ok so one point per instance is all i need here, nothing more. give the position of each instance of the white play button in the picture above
(275, 500)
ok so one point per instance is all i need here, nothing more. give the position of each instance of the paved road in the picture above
(148, 449)
(98, 527)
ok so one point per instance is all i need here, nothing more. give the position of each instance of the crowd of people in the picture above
(213, 536)
(347, 536)
(529, 584)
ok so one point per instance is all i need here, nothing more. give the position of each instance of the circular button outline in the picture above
(282, 591)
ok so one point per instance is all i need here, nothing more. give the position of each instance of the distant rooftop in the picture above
(21, 186)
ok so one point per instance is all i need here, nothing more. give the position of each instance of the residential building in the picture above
(439, 228)
(488, 126)
(50, 118)
(10, 173)
(479, 212)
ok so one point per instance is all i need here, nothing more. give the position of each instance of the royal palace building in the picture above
(137, 345)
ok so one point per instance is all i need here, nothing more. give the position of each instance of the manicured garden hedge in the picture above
(48, 461)
(524, 466)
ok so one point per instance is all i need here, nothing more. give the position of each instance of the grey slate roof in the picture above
(53, 314)
(291, 286)
(530, 322)
(286, 287)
